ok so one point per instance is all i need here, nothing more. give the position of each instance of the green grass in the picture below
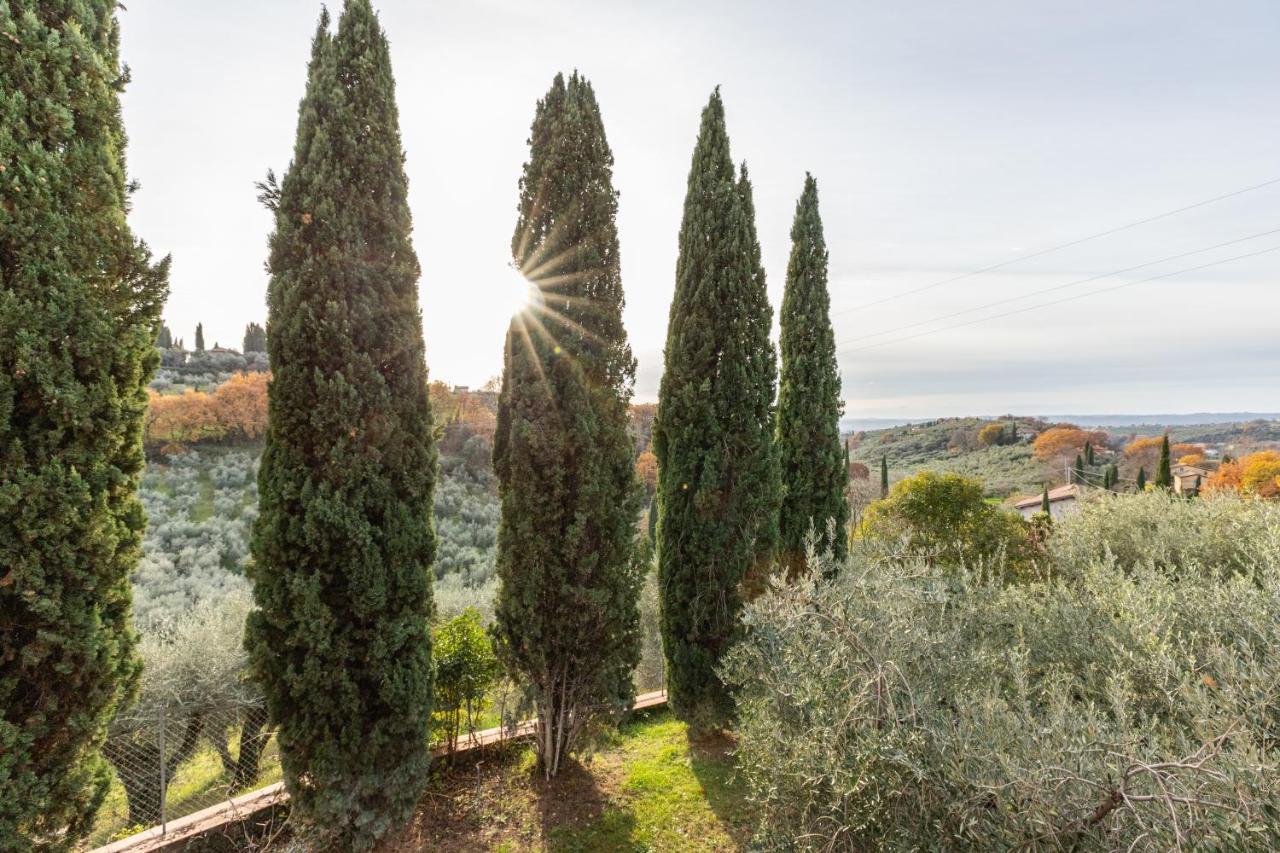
(673, 796)
(646, 787)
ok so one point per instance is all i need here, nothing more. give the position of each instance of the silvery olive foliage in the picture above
(200, 511)
(1121, 704)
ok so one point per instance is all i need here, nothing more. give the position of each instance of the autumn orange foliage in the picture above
(647, 471)
(1151, 445)
(235, 411)
(1257, 474)
(1061, 441)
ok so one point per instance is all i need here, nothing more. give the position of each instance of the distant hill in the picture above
(951, 444)
(1193, 419)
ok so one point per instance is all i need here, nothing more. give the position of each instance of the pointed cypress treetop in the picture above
(1044, 500)
(809, 401)
(565, 241)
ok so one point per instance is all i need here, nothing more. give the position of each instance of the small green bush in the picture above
(465, 671)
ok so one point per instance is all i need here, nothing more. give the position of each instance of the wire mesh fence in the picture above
(175, 758)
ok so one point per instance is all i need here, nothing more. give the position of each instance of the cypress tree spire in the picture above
(717, 473)
(165, 339)
(1077, 471)
(884, 476)
(80, 303)
(344, 542)
(814, 474)
(1044, 500)
(566, 613)
(1088, 453)
(1164, 474)
(1142, 479)
(199, 337)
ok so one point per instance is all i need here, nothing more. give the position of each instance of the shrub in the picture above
(465, 670)
(906, 707)
(944, 518)
(1213, 535)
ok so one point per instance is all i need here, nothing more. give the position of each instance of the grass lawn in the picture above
(647, 788)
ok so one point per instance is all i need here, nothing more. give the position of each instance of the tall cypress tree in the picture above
(569, 578)
(718, 479)
(1164, 473)
(812, 466)
(255, 338)
(80, 304)
(1142, 478)
(165, 339)
(884, 476)
(1045, 506)
(344, 541)
(1077, 470)
(199, 337)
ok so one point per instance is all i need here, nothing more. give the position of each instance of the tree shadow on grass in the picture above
(577, 816)
(711, 758)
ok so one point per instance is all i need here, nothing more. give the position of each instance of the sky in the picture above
(946, 138)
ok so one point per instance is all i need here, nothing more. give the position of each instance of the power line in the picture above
(1061, 301)
(1057, 248)
(1057, 287)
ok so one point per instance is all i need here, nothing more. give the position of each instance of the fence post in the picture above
(163, 780)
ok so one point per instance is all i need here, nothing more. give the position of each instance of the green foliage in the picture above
(465, 671)
(164, 340)
(199, 337)
(344, 543)
(566, 614)
(1161, 532)
(812, 462)
(1164, 473)
(1142, 479)
(884, 476)
(1110, 709)
(255, 338)
(1045, 506)
(944, 518)
(79, 317)
(718, 482)
(193, 684)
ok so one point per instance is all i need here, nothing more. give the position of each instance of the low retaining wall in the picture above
(261, 805)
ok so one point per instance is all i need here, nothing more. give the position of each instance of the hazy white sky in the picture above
(945, 137)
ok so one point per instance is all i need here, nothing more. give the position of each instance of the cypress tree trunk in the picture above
(344, 541)
(79, 316)
(718, 479)
(813, 464)
(567, 615)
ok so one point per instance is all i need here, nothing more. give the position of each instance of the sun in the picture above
(517, 293)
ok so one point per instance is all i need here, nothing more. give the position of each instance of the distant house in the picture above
(1187, 479)
(1063, 500)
